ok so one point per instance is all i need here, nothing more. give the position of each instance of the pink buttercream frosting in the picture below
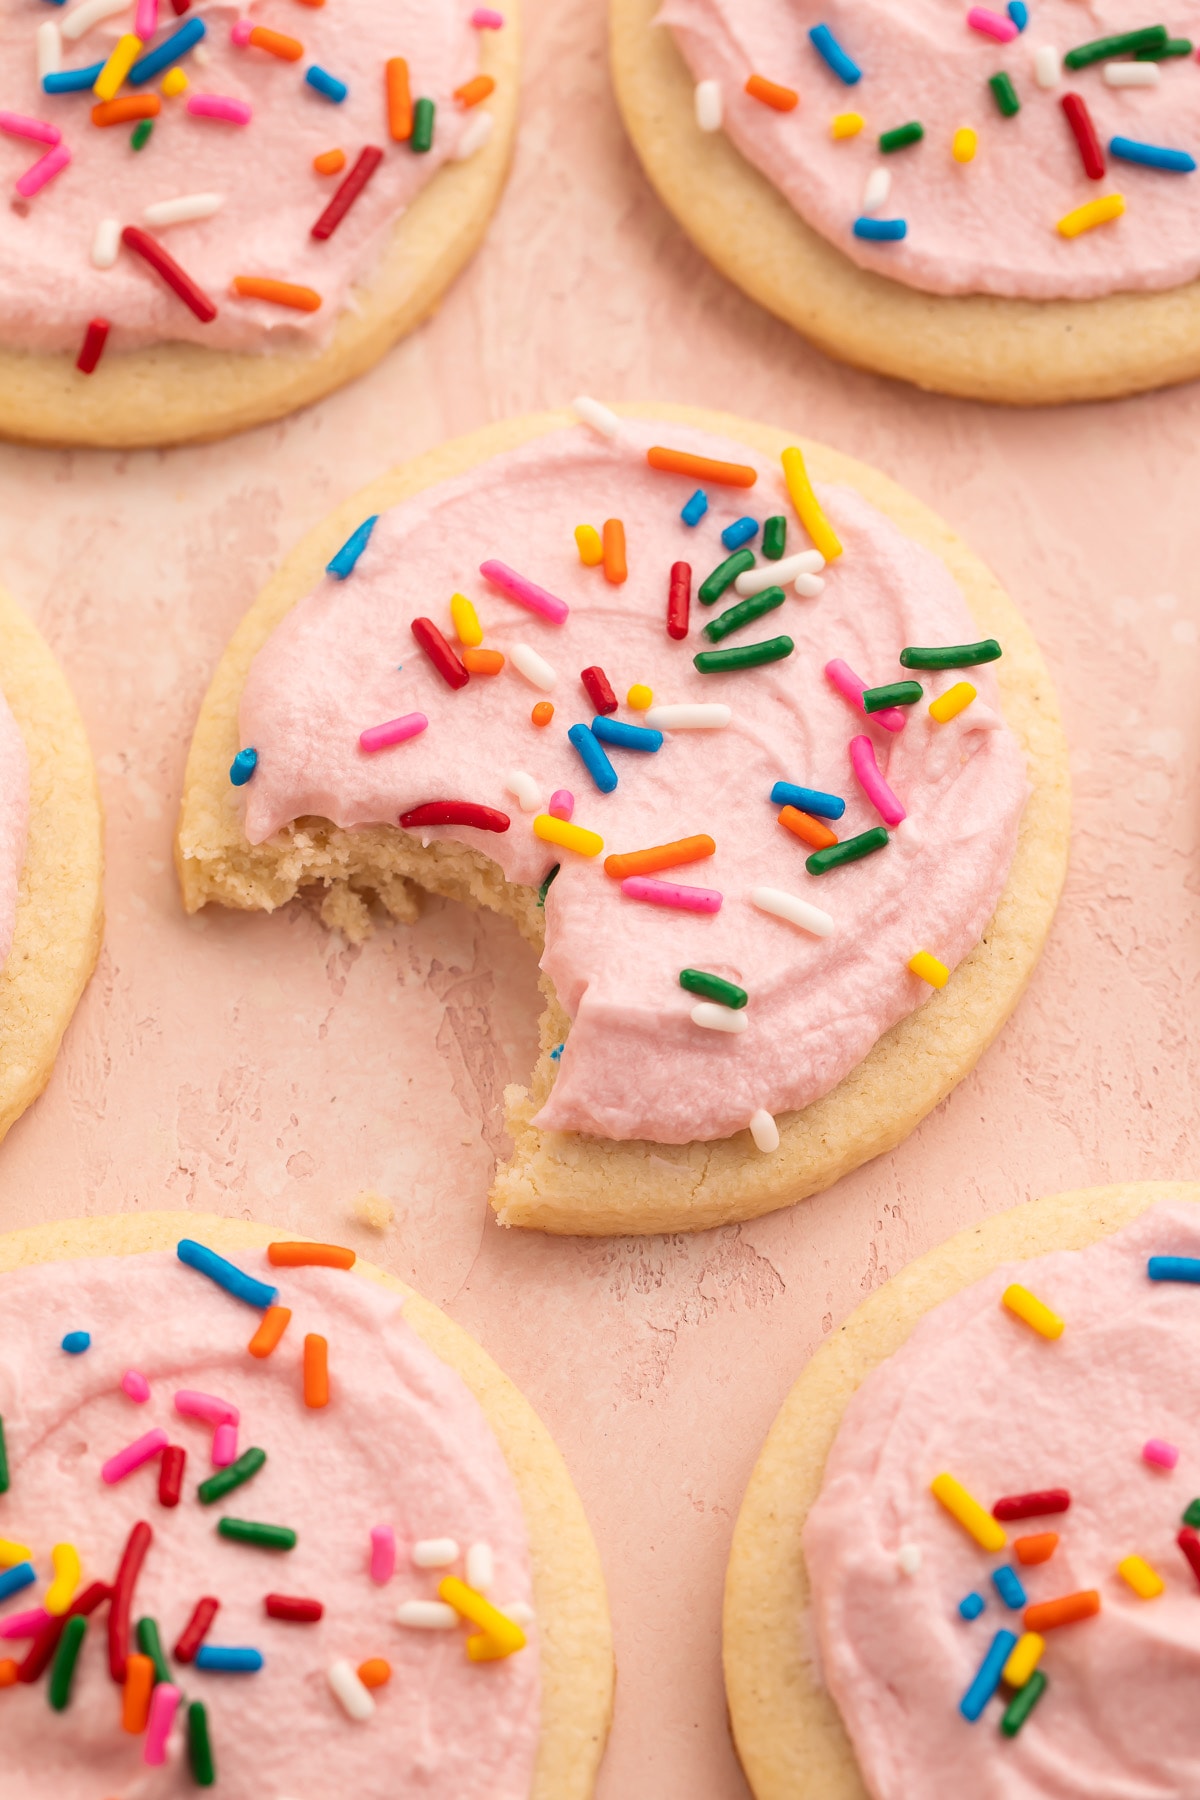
(635, 1064)
(976, 1393)
(14, 821)
(988, 226)
(271, 194)
(401, 1441)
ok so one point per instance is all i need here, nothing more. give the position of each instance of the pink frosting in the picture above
(978, 1394)
(401, 1440)
(14, 821)
(989, 226)
(635, 1064)
(49, 288)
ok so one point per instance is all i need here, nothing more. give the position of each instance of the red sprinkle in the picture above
(92, 348)
(170, 1475)
(439, 653)
(368, 160)
(41, 1652)
(1028, 1506)
(196, 1629)
(1084, 132)
(599, 689)
(121, 1604)
(299, 1612)
(180, 7)
(455, 812)
(679, 600)
(1189, 1542)
(164, 264)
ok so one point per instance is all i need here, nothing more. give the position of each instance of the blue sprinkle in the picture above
(326, 84)
(71, 81)
(343, 563)
(225, 1274)
(696, 508)
(881, 231)
(169, 51)
(972, 1606)
(593, 758)
(12, 1580)
(1018, 12)
(76, 1342)
(827, 46)
(242, 767)
(1151, 156)
(1007, 1584)
(557, 1052)
(809, 800)
(739, 533)
(228, 1661)
(988, 1679)
(626, 737)
(1173, 1268)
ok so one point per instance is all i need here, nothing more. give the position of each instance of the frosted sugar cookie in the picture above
(627, 714)
(51, 862)
(221, 213)
(274, 1525)
(988, 201)
(967, 1560)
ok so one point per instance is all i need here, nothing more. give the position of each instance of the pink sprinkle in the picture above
(383, 1553)
(133, 1456)
(136, 1386)
(43, 170)
(240, 32)
(486, 18)
(670, 893)
(851, 688)
(207, 1407)
(17, 125)
(862, 761)
(145, 20)
(1162, 1454)
(995, 25)
(219, 106)
(164, 1704)
(224, 1445)
(562, 804)
(396, 731)
(26, 1624)
(525, 592)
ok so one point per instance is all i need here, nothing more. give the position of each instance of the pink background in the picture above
(257, 1067)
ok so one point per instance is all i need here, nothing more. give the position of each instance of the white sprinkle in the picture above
(599, 417)
(796, 911)
(1132, 74)
(434, 1553)
(202, 56)
(426, 1615)
(809, 586)
(533, 667)
(481, 1567)
(106, 244)
(48, 41)
(908, 1559)
(91, 12)
(524, 790)
(182, 210)
(710, 108)
(475, 134)
(764, 1131)
(703, 716)
(719, 1018)
(778, 574)
(519, 1612)
(875, 193)
(1047, 66)
(355, 1698)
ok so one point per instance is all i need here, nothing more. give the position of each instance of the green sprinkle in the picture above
(200, 1756)
(1004, 94)
(849, 850)
(744, 613)
(3, 1461)
(774, 536)
(1023, 1703)
(150, 1644)
(1192, 1515)
(724, 575)
(545, 887)
(743, 656)
(712, 988)
(225, 1480)
(66, 1656)
(896, 693)
(267, 1537)
(901, 136)
(950, 656)
(1172, 47)
(422, 126)
(141, 134)
(1125, 43)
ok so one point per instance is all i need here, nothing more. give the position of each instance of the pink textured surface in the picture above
(257, 1067)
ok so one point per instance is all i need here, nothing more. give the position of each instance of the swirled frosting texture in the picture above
(49, 288)
(402, 1442)
(985, 227)
(14, 821)
(975, 1392)
(635, 1065)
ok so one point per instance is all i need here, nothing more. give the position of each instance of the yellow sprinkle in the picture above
(591, 547)
(1023, 1659)
(639, 698)
(1093, 212)
(67, 1570)
(501, 1635)
(845, 125)
(1144, 1581)
(11, 1554)
(963, 144)
(174, 82)
(807, 507)
(987, 1532)
(947, 706)
(929, 969)
(566, 835)
(466, 621)
(1031, 1311)
(125, 53)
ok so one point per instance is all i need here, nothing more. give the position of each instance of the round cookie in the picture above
(976, 345)
(563, 1180)
(59, 917)
(573, 1636)
(789, 1735)
(166, 392)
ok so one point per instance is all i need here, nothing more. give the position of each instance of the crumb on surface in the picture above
(372, 1209)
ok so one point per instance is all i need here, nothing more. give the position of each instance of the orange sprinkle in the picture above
(375, 1672)
(289, 48)
(310, 1256)
(1063, 1611)
(330, 162)
(783, 99)
(313, 3)
(806, 828)
(1036, 1549)
(8, 1673)
(281, 293)
(542, 713)
(316, 1370)
(659, 856)
(472, 92)
(682, 462)
(129, 106)
(139, 1685)
(615, 569)
(399, 99)
(275, 1322)
(478, 661)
